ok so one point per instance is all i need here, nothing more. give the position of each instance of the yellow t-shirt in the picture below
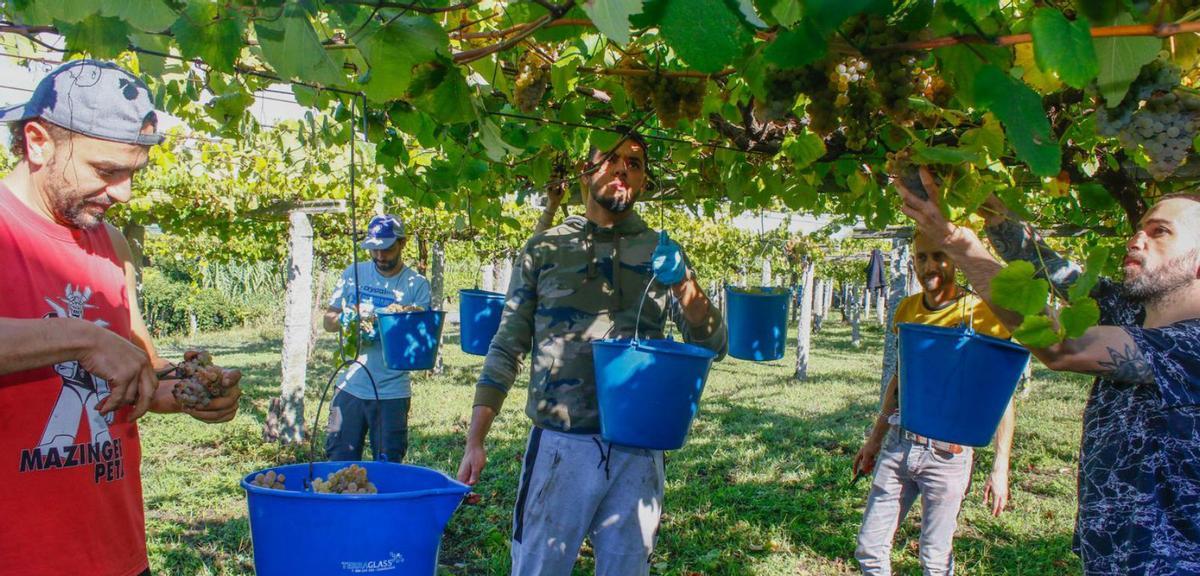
(913, 309)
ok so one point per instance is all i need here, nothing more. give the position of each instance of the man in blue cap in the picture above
(358, 405)
(77, 366)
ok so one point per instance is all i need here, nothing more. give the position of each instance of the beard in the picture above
(66, 205)
(387, 265)
(1150, 286)
(613, 204)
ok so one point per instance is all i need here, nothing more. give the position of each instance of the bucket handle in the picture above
(637, 324)
(967, 311)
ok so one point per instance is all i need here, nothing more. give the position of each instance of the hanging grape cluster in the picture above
(892, 71)
(200, 380)
(1157, 116)
(349, 480)
(533, 76)
(269, 480)
(782, 88)
(673, 98)
(852, 95)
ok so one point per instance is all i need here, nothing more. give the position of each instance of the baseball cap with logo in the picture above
(93, 98)
(382, 232)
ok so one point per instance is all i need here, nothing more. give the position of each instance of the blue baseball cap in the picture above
(93, 98)
(382, 232)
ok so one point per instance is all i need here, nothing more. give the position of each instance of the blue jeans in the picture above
(351, 417)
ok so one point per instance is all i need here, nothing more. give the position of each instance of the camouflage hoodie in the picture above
(565, 293)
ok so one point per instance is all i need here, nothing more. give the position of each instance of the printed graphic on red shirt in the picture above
(76, 434)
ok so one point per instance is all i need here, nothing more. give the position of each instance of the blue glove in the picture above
(348, 318)
(667, 261)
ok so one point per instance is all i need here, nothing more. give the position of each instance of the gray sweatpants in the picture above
(575, 486)
(903, 471)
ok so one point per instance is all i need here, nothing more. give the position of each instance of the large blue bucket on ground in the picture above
(757, 320)
(649, 390)
(479, 316)
(410, 339)
(395, 532)
(955, 384)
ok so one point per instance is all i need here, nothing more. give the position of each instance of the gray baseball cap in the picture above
(93, 98)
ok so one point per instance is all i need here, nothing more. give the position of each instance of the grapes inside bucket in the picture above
(350, 518)
(757, 320)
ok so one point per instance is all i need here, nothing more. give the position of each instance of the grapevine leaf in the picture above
(1025, 122)
(206, 32)
(69, 11)
(291, 47)
(1102, 11)
(1091, 275)
(395, 50)
(800, 195)
(1120, 61)
(1079, 316)
(987, 139)
(1094, 195)
(603, 140)
(611, 17)
(493, 143)
(978, 9)
(1032, 74)
(227, 109)
(149, 63)
(1015, 288)
(100, 36)
(1064, 47)
(564, 72)
(803, 149)
(787, 12)
(797, 47)
(944, 155)
(145, 15)
(970, 191)
(705, 33)
(961, 66)
(1037, 332)
(449, 100)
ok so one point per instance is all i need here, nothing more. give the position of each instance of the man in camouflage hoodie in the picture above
(580, 281)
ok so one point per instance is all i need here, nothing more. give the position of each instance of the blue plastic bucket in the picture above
(395, 532)
(410, 339)
(649, 390)
(955, 384)
(479, 315)
(757, 322)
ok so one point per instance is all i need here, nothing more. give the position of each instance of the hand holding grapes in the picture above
(204, 390)
(124, 366)
(923, 208)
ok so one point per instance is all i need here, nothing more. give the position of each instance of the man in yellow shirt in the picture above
(906, 464)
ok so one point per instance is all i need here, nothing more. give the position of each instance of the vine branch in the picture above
(1163, 30)
(378, 4)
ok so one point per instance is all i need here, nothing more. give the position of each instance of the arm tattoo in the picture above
(1129, 366)
(1014, 240)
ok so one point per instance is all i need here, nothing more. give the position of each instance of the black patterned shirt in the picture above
(1139, 460)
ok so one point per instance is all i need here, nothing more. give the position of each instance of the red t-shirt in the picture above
(70, 479)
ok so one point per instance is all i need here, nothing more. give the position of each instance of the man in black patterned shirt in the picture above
(1139, 471)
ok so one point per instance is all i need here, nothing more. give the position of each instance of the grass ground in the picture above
(761, 487)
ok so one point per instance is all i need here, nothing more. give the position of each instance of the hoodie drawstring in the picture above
(605, 458)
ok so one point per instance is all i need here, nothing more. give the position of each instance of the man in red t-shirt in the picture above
(77, 366)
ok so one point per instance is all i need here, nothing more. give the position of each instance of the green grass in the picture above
(761, 487)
